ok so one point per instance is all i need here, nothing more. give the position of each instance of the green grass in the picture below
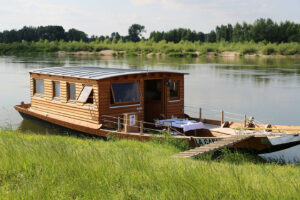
(61, 167)
(181, 49)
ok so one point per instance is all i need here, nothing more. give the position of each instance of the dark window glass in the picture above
(152, 90)
(125, 92)
(72, 91)
(174, 89)
(56, 89)
(39, 86)
(91, 98)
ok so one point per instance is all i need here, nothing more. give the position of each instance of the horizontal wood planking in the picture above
(81, 117)
(77, 114)
(174, 107)
(61, 107)
(101, 90)
(67, 106)
(105, 107)
(70, 106)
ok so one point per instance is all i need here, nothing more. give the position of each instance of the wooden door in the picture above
(154, 100)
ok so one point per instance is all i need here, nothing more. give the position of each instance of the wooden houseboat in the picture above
(91, 97)
(128, 103)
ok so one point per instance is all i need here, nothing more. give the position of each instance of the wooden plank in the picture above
(60, 103)
(67, 112)
(65, 115)
(75, 111)
(214, 146)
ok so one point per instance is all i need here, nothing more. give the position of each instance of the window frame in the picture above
(34, 88)
(178, 90)
(92, 92)
(54, 88)
(127, 102)
(69, 92)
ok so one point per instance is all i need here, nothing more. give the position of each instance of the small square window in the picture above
(39, 86)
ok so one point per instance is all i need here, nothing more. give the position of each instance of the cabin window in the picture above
(125, 92)
(56, 89)
(174, 89)
(87, 95)
(39, 86)
(72, 91)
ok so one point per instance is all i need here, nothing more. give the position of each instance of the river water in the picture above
(268, 89)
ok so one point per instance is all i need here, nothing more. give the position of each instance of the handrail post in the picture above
(245, 121)
(169, 130)
(119, 124)
(222, 117)
(125, 123)
(200, 114)
(141, 127)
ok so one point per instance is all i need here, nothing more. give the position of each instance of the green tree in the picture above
(237, 34)
(135, 32)
(76, 35)
(211, 37)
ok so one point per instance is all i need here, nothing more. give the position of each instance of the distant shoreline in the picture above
(230, 54)
(153, 49)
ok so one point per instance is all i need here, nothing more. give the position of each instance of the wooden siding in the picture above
(101, 89)
(61, 105)
(172, 107)
(175, 107)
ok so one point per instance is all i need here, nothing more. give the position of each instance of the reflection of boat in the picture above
(127, 103)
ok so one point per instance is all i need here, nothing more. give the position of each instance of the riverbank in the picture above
(152, 49)
(64, 167)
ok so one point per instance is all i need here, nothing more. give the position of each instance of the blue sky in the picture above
(105, 17)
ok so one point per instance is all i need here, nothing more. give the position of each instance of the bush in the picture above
(289, 49)
(268, 50)
(249, 50)
(175, 54)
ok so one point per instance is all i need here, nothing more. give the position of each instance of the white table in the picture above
(185, 124)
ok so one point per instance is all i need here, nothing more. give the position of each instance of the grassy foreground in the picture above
(59, 167)
(181, 49)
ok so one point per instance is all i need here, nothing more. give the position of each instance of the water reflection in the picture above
(268, 88)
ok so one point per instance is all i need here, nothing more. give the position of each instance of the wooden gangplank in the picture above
(213, 146)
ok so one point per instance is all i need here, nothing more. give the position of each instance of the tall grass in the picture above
(60, 167)
(181, 49)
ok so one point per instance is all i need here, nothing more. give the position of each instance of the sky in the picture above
(98, 17)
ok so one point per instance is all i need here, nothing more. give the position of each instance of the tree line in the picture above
(261, 30)
(50, 33)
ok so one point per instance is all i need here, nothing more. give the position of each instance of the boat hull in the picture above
(288, 155)
(285, 149)
(255, 143)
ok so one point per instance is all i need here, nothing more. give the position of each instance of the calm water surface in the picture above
(268, 89)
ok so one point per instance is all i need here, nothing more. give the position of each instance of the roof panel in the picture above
(95, 73)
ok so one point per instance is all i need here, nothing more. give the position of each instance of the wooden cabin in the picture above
(93, 94)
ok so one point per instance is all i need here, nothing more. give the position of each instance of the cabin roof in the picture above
(95, 73)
